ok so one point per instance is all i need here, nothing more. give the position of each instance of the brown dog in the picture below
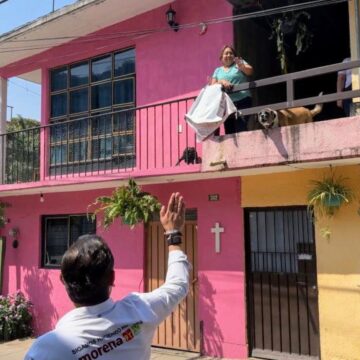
(270, 119)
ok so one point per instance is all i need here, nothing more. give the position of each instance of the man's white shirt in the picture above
(121, 329)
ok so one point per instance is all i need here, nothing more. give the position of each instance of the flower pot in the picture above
(333, 201)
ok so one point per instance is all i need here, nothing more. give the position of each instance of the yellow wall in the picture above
(338, 257)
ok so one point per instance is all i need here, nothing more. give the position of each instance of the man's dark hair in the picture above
(87, 270)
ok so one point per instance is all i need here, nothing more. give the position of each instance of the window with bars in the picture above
(59, 232)
(90, 105)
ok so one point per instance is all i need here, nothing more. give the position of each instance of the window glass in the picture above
(77, 151)
(61, 232)
(79, 74)
(78, 129)
(56, 240)
(101, 68)
(58, 105)
(124, 91)
(124, 63)
(123, 144)
(58, 154)
(79, 100)
(86, 91)
(80, 225)
(102, 148)
(58, 132)
(101, 96)
(58, 79)
(124, 120)
(101, 125)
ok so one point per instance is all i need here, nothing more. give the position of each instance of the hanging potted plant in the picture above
(128, 203)
(3, 219)
(328, 195)
(287, 28)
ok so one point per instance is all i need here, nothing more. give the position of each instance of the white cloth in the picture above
(115, 330)
(209, 111)
(347, 73)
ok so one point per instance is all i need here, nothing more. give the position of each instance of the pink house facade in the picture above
(116, 82)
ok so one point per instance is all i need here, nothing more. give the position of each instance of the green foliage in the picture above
(291, 23)
(22, 150)
(19, 123)
(15, 317)
(128, 203)
(328, 195)
(3, 206)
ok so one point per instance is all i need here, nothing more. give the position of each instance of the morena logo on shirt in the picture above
(127, 335)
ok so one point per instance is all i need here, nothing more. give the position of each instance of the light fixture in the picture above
(170, 17)
(14, 233)
(42, 199)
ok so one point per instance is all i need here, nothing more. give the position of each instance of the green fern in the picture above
(128, 203)
(321, 197)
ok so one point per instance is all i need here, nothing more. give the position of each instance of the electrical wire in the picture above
(24, 87)
(134, 33)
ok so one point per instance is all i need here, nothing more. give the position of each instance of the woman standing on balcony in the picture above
(234, 71)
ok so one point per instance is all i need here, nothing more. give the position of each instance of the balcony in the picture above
(142, 141)
(149, 141)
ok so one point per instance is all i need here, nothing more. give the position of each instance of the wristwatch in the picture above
(173, 237)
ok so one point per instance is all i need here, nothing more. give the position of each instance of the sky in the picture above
(24, 96)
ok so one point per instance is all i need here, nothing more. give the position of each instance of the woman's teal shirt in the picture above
(235, 77)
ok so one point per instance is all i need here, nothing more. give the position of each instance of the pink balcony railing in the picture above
(147, 139)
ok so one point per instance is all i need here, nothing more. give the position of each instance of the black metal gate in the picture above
(281, 284)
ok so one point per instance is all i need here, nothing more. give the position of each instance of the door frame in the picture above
(248, 297)
(2, 261)
(196, 326)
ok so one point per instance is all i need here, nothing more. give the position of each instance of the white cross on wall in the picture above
(217, 230)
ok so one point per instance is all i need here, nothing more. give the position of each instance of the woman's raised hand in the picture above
(172, 217)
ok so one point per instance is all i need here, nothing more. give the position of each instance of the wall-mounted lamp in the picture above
(14, 233)
(170, 17)
(42, 199)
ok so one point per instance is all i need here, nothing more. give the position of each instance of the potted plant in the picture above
(287, 28)
(128, 203)
(328, 195)
(3, 219)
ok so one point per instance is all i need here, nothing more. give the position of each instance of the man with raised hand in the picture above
(100, 328)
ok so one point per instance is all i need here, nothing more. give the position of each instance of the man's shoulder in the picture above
(44, 345)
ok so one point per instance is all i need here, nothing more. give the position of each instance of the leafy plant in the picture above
(328, 195)
(3, 219)
(15, 317)
(128, 203)
(286, 24)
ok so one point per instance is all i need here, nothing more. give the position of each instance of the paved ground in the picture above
(15, 350)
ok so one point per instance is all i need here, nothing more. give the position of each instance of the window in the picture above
(59, 232)
(88, 90)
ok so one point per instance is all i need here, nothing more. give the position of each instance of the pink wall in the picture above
(168, 64)
(22, 265)
(221, 275)
(312, 142)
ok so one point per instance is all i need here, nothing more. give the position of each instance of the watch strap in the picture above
(173, 237)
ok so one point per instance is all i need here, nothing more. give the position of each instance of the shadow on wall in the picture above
(39, 287)
(212, 337)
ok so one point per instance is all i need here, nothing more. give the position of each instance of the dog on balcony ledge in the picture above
(270, 119)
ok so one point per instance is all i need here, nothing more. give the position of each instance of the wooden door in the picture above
(2, 260)
(283, 320)
(181, 329)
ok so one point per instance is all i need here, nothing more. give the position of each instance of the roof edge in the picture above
(65, 10)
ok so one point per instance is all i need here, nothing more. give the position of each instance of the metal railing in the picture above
(20, 160)
(148, 139)
(289, 80)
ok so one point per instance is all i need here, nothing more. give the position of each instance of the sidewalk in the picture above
(15, 350)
